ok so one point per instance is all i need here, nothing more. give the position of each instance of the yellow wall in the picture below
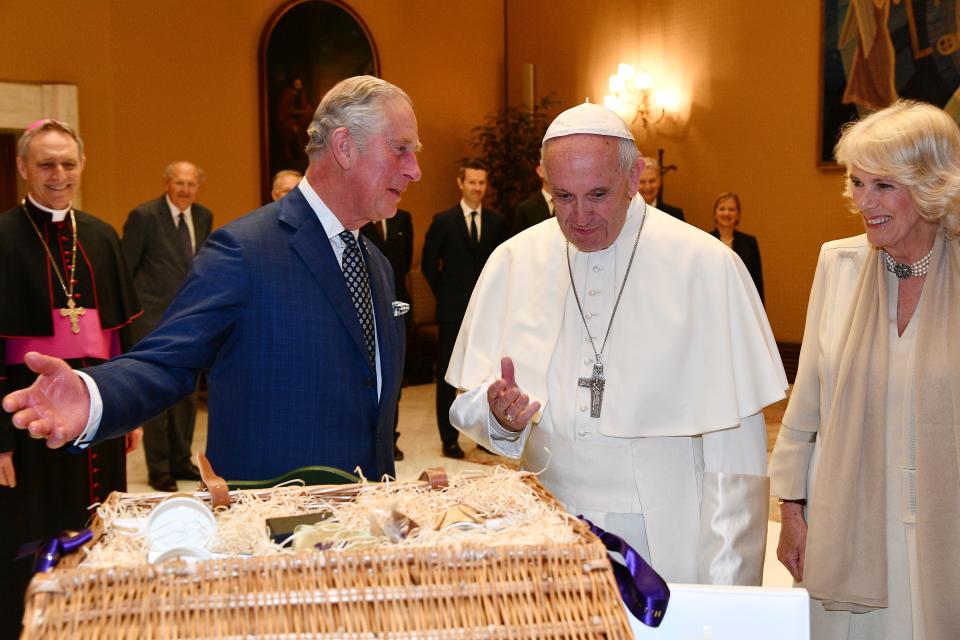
(749, 71)
(177, 79)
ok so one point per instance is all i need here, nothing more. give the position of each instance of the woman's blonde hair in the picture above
(915, 144)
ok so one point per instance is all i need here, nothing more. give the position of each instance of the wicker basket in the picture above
(532, 591)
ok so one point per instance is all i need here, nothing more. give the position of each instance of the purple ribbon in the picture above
(642, 589)
(49, 552)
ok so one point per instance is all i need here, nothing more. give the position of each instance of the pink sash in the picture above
(91, 342)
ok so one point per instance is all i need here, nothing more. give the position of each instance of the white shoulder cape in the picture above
(698, 351)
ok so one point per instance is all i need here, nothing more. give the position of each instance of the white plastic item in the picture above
(180, 526)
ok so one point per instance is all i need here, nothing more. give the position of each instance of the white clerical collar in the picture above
(174, 210)
(59, 215)
(331, 223)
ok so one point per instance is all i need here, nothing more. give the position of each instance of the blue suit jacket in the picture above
(266, 311)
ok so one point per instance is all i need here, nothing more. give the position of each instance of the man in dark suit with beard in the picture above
(160, 238)
(535, 209)
(457, 245)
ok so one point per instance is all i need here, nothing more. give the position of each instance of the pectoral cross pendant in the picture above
(73, 312)
(595, 383)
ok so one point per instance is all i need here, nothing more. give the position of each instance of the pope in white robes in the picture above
(664, 443)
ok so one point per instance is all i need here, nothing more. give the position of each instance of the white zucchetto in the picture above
(588, 118)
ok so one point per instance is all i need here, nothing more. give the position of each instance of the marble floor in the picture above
(420, 443)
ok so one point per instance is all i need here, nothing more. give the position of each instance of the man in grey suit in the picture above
(160, 238)
(649, 187)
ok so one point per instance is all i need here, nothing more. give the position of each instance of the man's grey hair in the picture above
(651, 163)
(627, 153)
(42, 126)
(168, 170)
(355, 103)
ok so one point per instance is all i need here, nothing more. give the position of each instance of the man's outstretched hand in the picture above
(56, 406)
(508, 403)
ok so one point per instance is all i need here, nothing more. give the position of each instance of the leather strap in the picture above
(217, 486)
(436, 477)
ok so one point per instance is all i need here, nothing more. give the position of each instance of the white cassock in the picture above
(676, 462)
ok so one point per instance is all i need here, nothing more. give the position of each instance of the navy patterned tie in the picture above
(355, 275)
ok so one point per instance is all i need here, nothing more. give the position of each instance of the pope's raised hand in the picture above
(56, 406)
(508, 403)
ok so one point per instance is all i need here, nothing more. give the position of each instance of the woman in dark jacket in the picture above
(726, 215)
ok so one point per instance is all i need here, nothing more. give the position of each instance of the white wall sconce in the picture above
(632, 96)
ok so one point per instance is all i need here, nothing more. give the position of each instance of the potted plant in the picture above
(508, 142)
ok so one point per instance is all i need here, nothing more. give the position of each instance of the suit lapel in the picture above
(311, 244)
(487, 225)
(371, 232)
(200, 229)
(383, 312)
(544, 208)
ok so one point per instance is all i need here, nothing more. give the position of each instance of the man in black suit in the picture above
(534, 209)
(649, 187)
(160, 238)
(457, 245)
(394, 237)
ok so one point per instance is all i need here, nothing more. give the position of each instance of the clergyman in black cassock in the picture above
(54, 487)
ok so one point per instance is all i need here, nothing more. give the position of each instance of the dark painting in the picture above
(876, 51)
(307, 47)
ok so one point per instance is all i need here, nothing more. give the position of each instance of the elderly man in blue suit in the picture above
(289, 311)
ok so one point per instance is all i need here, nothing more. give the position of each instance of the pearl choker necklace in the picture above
(904, 271)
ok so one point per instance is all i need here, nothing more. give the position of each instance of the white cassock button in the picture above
(588, 361)
(583, 434)
(588, 315)
(594, 292)
(597, 268)
(583, 408)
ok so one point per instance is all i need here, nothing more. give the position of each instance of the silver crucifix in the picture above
(595, 383)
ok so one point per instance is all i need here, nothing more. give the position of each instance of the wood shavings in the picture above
(118, 550)
(242, 529)
(506, 510)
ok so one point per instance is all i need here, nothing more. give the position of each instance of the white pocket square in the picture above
(400, 308)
